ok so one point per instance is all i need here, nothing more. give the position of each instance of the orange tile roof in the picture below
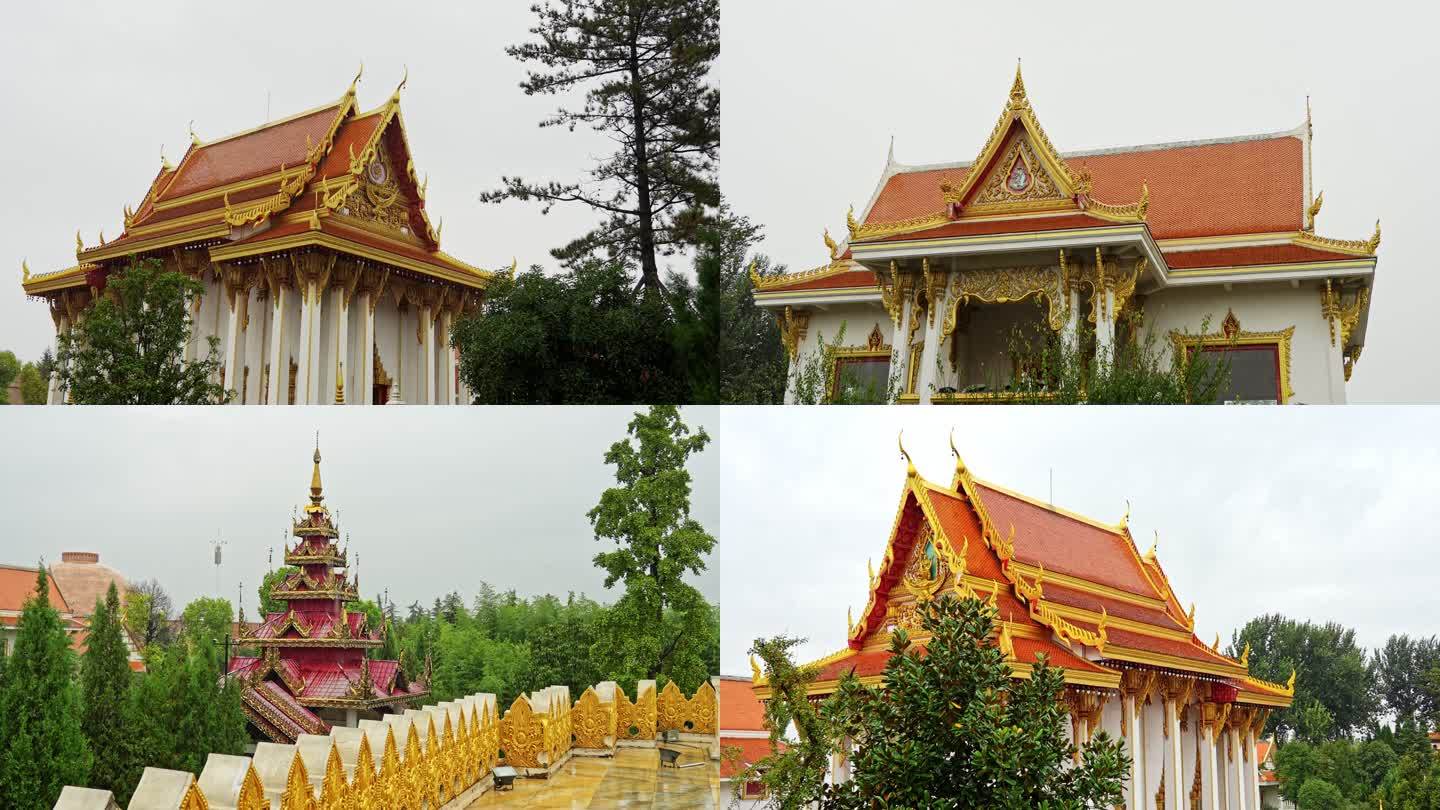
(848, 278)
(752, 750)
(1065, 544)
(1253, 185)
(740, 710)
(251, 154)
(17, 585)
(1248, 256)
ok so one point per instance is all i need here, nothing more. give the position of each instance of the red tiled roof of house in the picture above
(752, 750)
(740, 710)
(17, 584)
(1250, 256)
(986, 227)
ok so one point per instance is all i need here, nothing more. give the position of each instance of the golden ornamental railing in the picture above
(424, 759)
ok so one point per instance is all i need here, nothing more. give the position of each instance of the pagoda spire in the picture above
(316, 497)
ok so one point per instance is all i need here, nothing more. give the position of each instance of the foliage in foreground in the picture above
(950, 729)
(129, 349)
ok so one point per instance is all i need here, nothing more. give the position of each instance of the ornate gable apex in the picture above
(1048, 178)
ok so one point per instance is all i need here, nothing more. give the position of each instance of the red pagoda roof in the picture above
(1065, 586)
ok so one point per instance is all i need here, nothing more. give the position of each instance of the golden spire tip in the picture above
(909, 463)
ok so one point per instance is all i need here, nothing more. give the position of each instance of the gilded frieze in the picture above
(1005, 285)
(636, 720)
(593, 721)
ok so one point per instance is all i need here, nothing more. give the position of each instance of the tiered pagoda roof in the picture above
(286, 184)
(1074, 589)
(1230, 209)
(313, 653)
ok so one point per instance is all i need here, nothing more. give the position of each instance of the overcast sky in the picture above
(1327, 514)
(815, 90)
(436, 501)
(93, 89)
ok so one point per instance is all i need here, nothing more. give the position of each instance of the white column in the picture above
(1252, 770)
(1135, 746)
(901, 341)
(279, 360)
(234, 358)
(1104, 326)
(340, 316)
(1175, 784)
(1210, 771)
(53, 396)
(446, 318)
(1239, 785)
(427, 366)
(365, 375)
(934, 321)
(307, 381)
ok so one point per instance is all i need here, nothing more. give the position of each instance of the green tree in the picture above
(1330, 668)
(575, 337)
(1317, 794)
(1316, 724)
(34, 388)
(1296, 763)
(752, 360)
(1401, 672)
(44, 746)
(268, 584)
(146, 612)
(129, 349)
(697, 310)
(643, 66)
(9, 370)
(951, 727)
(648, 517)
(105, 681)
(206, 621)
(794, 772)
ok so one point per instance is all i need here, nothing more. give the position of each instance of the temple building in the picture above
(1203, 246)
(313, 671)
(318, 259)
(1082, 593)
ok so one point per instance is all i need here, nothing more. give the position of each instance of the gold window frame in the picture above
(856, 353)
(1280, 339)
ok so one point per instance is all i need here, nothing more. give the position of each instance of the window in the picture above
(1254, 373)
(861, 378)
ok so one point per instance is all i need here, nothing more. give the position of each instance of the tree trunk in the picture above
(649, 270)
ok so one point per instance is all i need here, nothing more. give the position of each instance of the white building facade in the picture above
(1203, 246)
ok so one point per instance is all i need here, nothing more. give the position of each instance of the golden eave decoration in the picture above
(1354, 247)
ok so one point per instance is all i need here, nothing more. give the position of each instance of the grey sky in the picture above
(433, 502)
(93, 89)
(815, 90)
(1318, 513)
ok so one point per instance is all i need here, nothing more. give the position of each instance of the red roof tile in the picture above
(1242, 186)
(17, 585)
(987, 227)
(846, 279)
(752, 750)
(740, 710)
(1250, 256)
(251, 154)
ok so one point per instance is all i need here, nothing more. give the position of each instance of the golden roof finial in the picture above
(755, 675)
(1314, 210)
(870, 569)
(849, 620)
(1216, 645)
(356, 80)
(1190, 617)
(79, 243)
(909, 463)
(165, 164)
(1143, 207)
(850, 223)
(830, 245)
(1374, 242)
(401, 86)
(959, 462)
(1007, 641)
(102, 236)
(1245, 656)
(1154, 544)
(190, 127)
(315, 493)
(754, 275)
(1125, 518)
(1290, 684)
(1017, 89)
(25, 269)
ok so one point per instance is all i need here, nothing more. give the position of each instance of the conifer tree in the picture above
(105, 682)
(44, 748)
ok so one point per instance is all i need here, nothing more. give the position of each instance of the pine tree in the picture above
(44, 747)
(105, 682)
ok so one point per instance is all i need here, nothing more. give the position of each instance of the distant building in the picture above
(1270, 798)
(743, 740)
(75, 571)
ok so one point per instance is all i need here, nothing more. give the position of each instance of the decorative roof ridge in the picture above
(834, 267)
(340, 102)
(1112, 528)
(1355, 247)
(904, 168)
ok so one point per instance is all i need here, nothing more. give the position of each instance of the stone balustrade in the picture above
(433, 758)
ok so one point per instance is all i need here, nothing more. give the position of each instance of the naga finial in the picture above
(401, 86)
(870, 569)
(1154, 544)
(1314, 210)
(1374, 242)
(1245, 656)
(1290, 684)
(102, 236)
(756, 676)
(849, 620)
(1143, 207)
(1125, 518)
(909, 463)
(356, 80)
(25, 269)
(850, 223)
(79, 243)
(959, 462)
(754, 275)
(190, 128)
(830, 245)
